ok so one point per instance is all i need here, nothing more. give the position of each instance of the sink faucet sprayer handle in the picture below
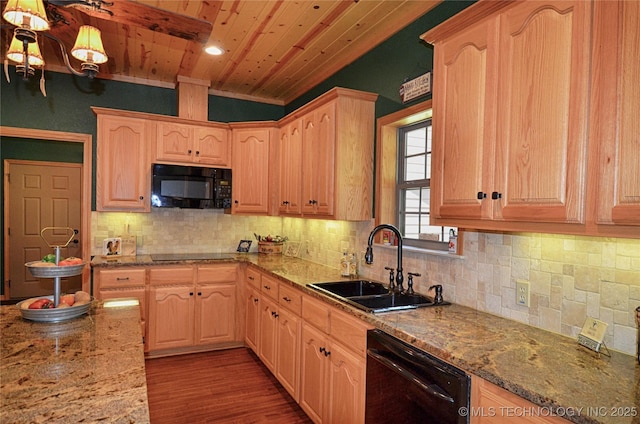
(410, 282)
(391, 278)
(438, 297)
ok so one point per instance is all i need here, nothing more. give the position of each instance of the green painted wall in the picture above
(69, 99)
(402, 57)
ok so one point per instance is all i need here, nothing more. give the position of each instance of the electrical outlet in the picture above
(522, 293)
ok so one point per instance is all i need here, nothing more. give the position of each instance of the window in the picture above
(413, 188)
(403, 168)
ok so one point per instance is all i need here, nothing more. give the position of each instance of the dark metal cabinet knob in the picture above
(495, 195)
(482, 195)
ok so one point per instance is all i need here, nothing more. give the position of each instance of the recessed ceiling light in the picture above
(214, 50)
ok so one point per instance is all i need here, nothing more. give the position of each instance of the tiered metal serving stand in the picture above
(57, 273)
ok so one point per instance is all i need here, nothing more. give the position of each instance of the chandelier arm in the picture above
(65, 56)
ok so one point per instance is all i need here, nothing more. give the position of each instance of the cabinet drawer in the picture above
(171, 275)
(139, 293)
(349, 331)
(270, 287)
(122, 277)
(290, 298)
(217, 273)
(254, 278)
(316, 313)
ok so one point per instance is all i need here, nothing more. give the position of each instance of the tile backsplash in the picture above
(571, 277)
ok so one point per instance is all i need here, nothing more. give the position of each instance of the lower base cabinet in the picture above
(491, 404)
(332, 368)
(191, 307)
(323, 370)
(124, 283)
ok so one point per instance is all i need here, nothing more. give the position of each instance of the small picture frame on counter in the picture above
(244, 246)
(112, 247)
(292, 249)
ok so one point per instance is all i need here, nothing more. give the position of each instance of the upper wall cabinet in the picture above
(202, 144)
(326, 157)
(252, 167)
(290, 144)
(123, 177)
(510, 114)
(615, 127)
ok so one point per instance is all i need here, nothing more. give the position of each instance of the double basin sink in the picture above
(372, 296)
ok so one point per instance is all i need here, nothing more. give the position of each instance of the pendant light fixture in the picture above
(30, 17)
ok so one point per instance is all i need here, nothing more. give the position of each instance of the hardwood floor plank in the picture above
(227, 386)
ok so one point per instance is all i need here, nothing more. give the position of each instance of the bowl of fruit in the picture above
(43, 309)
(47, 268)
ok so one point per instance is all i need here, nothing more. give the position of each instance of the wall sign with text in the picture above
(416, 87)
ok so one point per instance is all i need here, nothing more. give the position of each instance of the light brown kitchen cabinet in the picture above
(215, 313)
(318, 150)
(615, 102)
(192, 307)
(171, 307)
(252, 167)
(336, 166)
(124, 283)
(288, 351)
(290, 145)
(123, 170)
(332, 368)
(509, 117)
(252, 308)
(493, 405)
(278, 337)
(187, 144)
(268, 336)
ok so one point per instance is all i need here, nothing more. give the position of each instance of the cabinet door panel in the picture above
(313, 373)
(464, 134)
(215, 313)
(267, 343)
(252, 324)
(251, 170)
(318, 151)
(212, 146)
(174, 142)
(616, 106)
(291, 168)
(542, 111)
(346, 386)
(123, 178)
(288, 351)
(171, 311)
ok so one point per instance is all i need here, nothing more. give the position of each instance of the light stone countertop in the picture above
(548, 369)
(87, 369)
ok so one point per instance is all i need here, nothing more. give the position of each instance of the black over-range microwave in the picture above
(194, 187)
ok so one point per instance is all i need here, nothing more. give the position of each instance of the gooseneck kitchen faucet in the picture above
(368, 256)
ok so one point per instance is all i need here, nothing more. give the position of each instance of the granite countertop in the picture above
(546, 368)
(87, 369)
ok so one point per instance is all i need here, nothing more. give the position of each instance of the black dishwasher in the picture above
(407, 385)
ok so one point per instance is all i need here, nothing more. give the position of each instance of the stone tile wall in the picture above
(571, 277)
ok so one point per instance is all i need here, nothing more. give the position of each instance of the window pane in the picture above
(415, 168)
(424, 204)
(411, 226)
(412, 200)
(415, 143)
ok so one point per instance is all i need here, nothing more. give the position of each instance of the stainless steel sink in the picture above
(352, 288)
(372, 296)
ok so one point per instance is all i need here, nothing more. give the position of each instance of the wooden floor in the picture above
(229, 386)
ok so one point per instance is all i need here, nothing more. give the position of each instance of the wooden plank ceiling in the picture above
(275, 50)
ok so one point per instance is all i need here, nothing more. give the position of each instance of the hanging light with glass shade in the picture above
(30, 18)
